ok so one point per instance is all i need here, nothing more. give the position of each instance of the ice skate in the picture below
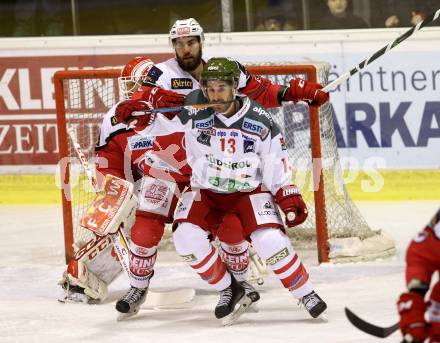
(313, 304)
(252, 293)
(131, 302)
(229, 298)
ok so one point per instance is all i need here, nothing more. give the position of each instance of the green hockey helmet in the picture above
(221, 68)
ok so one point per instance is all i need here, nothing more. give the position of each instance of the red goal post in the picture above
(84, 96)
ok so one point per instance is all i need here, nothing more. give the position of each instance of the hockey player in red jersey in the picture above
(95, 264)
(419, 314)
(239, 166)
(157, 163)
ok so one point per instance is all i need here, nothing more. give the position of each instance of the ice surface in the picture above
(31, 263)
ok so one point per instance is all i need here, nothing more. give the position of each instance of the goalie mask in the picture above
(133, 75)
(186, 28)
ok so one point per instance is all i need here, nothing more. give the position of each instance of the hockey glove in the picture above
(112, 207)
(159, 97)
(412, 307)
(134, 113)
(305, 90)
(292, 204)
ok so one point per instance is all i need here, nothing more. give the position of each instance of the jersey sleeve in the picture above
(110, 160)
(260, 89)
(108, 150)
(276, 168)
(423, 253)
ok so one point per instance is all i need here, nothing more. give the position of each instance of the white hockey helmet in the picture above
(186, 28)
(133, 74)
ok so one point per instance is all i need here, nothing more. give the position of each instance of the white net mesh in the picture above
(350, 237)
(88, 100)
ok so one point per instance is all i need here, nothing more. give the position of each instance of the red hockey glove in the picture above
(130, 112)
(159, 97)
(412, 307)
(305, 90)
(292, 204)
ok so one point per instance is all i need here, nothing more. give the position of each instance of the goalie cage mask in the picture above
(133, 75)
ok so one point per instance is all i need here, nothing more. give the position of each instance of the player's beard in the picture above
(189, 62)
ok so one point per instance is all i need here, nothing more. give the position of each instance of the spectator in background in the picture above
(272, 21)
(396, 13)
(39, 18)
(338, 17)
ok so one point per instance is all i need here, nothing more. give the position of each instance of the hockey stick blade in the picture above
(169, 299)
(369, 328)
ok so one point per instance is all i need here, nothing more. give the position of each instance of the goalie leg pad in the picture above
(100, 258)
(77, 275)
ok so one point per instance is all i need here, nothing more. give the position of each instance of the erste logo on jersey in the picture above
(140, 142)
(181, 83)
(255, 127)
(204, 123)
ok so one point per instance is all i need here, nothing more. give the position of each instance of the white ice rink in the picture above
(32, 261)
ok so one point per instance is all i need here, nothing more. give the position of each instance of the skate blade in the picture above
(73, 298)
(253, 308)
(244, 304)
(321, 318)
(124, 316)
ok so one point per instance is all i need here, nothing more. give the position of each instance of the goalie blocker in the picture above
(111, 208)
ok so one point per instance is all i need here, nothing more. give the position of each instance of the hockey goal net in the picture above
(335, 227)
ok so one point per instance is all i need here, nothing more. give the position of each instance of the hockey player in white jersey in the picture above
(239, 165)
(166, 82)
(181, 75)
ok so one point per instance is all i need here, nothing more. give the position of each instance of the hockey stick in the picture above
(120, 243)
(369, 328)
(119, 239)
(332, 85)
(179, 108)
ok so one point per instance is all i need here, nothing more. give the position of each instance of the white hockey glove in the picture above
(112, 207)
(81, 285)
